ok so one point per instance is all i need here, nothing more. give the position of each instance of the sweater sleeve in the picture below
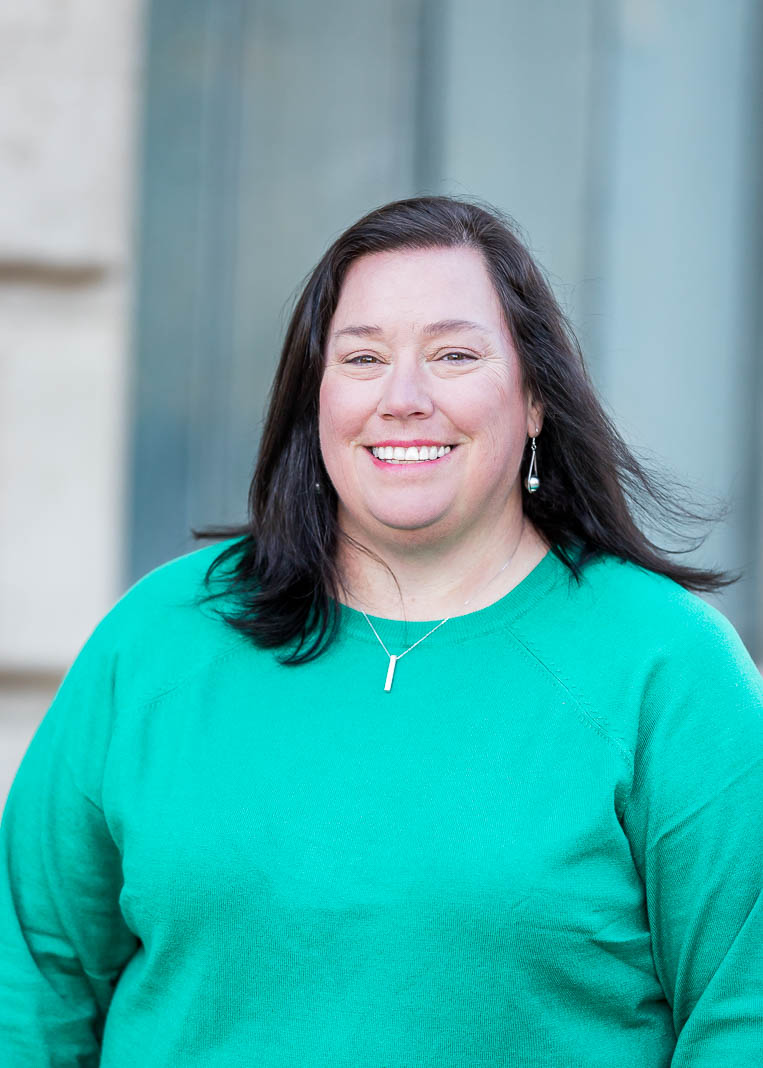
(63, 940)
(695, 823)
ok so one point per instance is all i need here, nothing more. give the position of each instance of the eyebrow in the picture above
(442, 326)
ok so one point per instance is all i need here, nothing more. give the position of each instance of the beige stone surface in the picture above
(69, 73)
(21, 709)
(62, 445)
(69, 93)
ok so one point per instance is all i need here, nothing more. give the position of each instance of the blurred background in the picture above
(172, 169)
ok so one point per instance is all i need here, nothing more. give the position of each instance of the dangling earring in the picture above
(532, 482)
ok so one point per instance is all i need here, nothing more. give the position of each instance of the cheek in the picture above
(497, 416)
(343, 411)
(337, 423)
(328, 411)
(494, 409)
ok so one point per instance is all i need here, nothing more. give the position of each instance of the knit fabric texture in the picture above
(542, 847)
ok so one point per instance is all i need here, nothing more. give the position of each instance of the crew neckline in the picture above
(399, 632)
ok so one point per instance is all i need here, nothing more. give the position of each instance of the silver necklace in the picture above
(393, 658)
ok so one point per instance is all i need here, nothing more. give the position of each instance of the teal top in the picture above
(543, 846)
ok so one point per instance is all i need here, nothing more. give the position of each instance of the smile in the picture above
(413, 454)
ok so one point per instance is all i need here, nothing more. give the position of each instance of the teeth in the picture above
(400, 454)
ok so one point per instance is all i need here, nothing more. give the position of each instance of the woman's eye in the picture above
(457, 357)
(363, 358)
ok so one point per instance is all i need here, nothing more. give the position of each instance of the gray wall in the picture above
(268, 128)
(620, 134)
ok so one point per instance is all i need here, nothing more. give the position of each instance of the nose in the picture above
(406, 393)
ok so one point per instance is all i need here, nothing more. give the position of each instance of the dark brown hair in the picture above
(284, 578)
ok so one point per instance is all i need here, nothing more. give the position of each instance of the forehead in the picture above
(413, 287)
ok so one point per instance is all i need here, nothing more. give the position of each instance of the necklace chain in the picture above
(393, 659)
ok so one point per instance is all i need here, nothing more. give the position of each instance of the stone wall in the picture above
(69, 94)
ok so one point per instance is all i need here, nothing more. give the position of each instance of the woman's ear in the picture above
(534, 418)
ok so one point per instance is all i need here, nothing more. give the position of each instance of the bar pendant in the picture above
(390, 673)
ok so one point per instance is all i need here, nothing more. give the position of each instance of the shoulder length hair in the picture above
(284, 579)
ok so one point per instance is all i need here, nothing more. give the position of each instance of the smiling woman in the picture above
(428, 323)
(246, 834)
(443, 400)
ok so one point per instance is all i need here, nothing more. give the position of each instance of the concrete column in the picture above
(680, 256)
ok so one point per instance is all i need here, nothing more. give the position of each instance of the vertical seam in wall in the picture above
(429, 104)
(754, 300)
(601, 94)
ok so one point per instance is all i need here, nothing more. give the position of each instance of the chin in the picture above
(400, 514)
(425, 525)
(396, 524)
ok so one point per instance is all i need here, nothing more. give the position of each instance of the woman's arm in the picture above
(63, 940)
(695, 823)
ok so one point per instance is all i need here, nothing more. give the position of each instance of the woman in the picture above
(438, 762)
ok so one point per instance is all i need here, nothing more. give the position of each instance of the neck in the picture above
(423, 583)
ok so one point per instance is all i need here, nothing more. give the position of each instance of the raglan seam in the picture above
(588, 715)
(144, 703)
(141, 705)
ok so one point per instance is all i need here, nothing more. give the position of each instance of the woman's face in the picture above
(418, 357)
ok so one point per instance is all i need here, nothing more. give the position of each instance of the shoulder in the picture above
(163, 629)
(624, 639)
(175, 584)
(652, 617)
(683, 639)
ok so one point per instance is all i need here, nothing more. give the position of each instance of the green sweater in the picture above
(544, 846)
